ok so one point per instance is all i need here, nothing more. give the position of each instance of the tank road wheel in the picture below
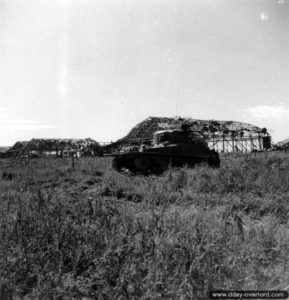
(118, 164)
(143, 165)
(160, 165)
(214, 160)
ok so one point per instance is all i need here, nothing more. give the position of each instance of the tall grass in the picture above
(93, 233)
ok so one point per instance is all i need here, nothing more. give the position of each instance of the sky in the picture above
(96, 68)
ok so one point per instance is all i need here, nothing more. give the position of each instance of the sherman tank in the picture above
(173, 147)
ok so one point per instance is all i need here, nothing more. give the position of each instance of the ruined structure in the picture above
(223, 136)
(56, 147)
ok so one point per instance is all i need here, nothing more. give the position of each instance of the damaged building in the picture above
(56, 147)
(223, 136)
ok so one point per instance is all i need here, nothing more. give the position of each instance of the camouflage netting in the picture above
(145, 129)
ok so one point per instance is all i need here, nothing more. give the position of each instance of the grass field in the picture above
(93, 233)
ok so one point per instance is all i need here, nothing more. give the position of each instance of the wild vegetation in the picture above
(92, 233)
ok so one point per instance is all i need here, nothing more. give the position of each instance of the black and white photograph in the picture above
(144, 149)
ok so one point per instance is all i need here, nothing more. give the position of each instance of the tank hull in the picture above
(157, 160)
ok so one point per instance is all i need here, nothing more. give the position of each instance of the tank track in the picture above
(145, 164)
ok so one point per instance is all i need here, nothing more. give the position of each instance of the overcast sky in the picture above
(80, 68)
